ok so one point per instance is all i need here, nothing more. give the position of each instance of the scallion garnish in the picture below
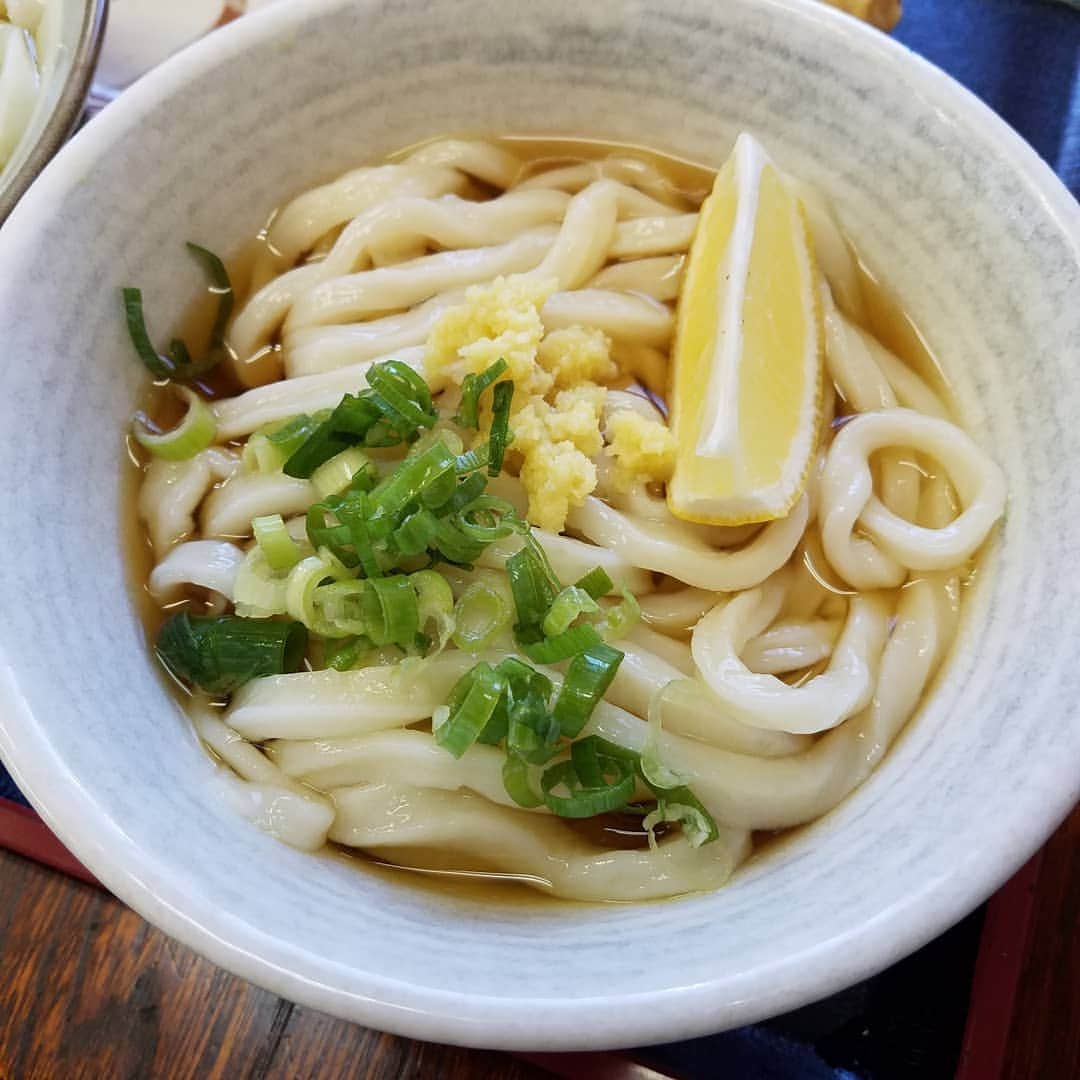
(194, 433)
(596, 583)
(499, 437)
(218, 654)
(177, 365)
(396, 405)
(279, 549)
(468, 414)
(473, 702)
(480, 615)
(581, 800)
(551, 650)
(515, 777)
(587, 680)
(566, 607)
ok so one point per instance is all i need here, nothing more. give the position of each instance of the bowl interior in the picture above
(964, 223)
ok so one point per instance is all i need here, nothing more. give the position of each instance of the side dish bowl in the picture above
(982, 244)
(64, 84)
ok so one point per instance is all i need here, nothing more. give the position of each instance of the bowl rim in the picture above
(158, 893)
(69, 106)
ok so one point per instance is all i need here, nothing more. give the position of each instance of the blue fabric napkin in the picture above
(1022, 57)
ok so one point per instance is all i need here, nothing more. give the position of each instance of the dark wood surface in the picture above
(88, 989)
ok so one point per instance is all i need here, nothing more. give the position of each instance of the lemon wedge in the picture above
(746, 370)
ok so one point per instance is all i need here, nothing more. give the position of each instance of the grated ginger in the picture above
(558, 404)
(497, 321)
(576, 355)
(643, 449)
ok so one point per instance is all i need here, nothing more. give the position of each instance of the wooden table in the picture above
(90, 990)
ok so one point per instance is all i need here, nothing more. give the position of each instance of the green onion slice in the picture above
(581, 800)
(596, 583)
(516, 780)
(219, 284)
(351, 468)
(280, 550)
(566, 607)
(681, 807)
(346, 653)
(434, 606)
(587, 680)
(468, 414)
(178, 365)
(562, 646)
(194, 433)
(473, 701)
(480, 615)
(218, 654)
(499, 437)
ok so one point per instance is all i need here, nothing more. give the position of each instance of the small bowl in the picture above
(60, 102)
(974, 233)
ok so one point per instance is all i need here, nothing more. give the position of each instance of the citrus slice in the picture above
(746, 370)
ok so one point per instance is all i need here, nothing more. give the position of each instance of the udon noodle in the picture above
(772, 666)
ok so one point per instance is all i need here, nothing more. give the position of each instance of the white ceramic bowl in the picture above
(65, 81)
(983, 245)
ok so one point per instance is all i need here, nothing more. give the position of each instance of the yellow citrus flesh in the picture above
(746, 367)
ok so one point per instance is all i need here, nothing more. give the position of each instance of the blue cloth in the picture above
(1023, 58)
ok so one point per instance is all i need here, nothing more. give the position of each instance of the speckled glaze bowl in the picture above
(981, 242)
(65, 82)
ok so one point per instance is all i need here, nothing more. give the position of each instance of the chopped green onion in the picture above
(468, 414)
(219, 284)
(562, 646)
(454, 545)
(178, 365)
(303, 580)
(404, 486)
(621, 618)
(335, 538)
(434, 606)
(402, 396)
(533, 589)
(587, 680)
(355, 513)
(341, 609)
(392, 411)
(499, 436)
(474, 699)
(653, 771)
(680, 806)
(194, 433)
(471, 460)
(596, 583)
(341, 471)
(587, 800)
(566, 607)
(470, 489)
(397, 620)
(218, 654)
(280, 550)
(515, 776)
(480, 615)
(161, 367)
(487, 519)
(345, 654)
(416, 533)
(258, 592)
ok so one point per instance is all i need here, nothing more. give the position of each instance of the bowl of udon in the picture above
(524, 516)
(48, 49)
